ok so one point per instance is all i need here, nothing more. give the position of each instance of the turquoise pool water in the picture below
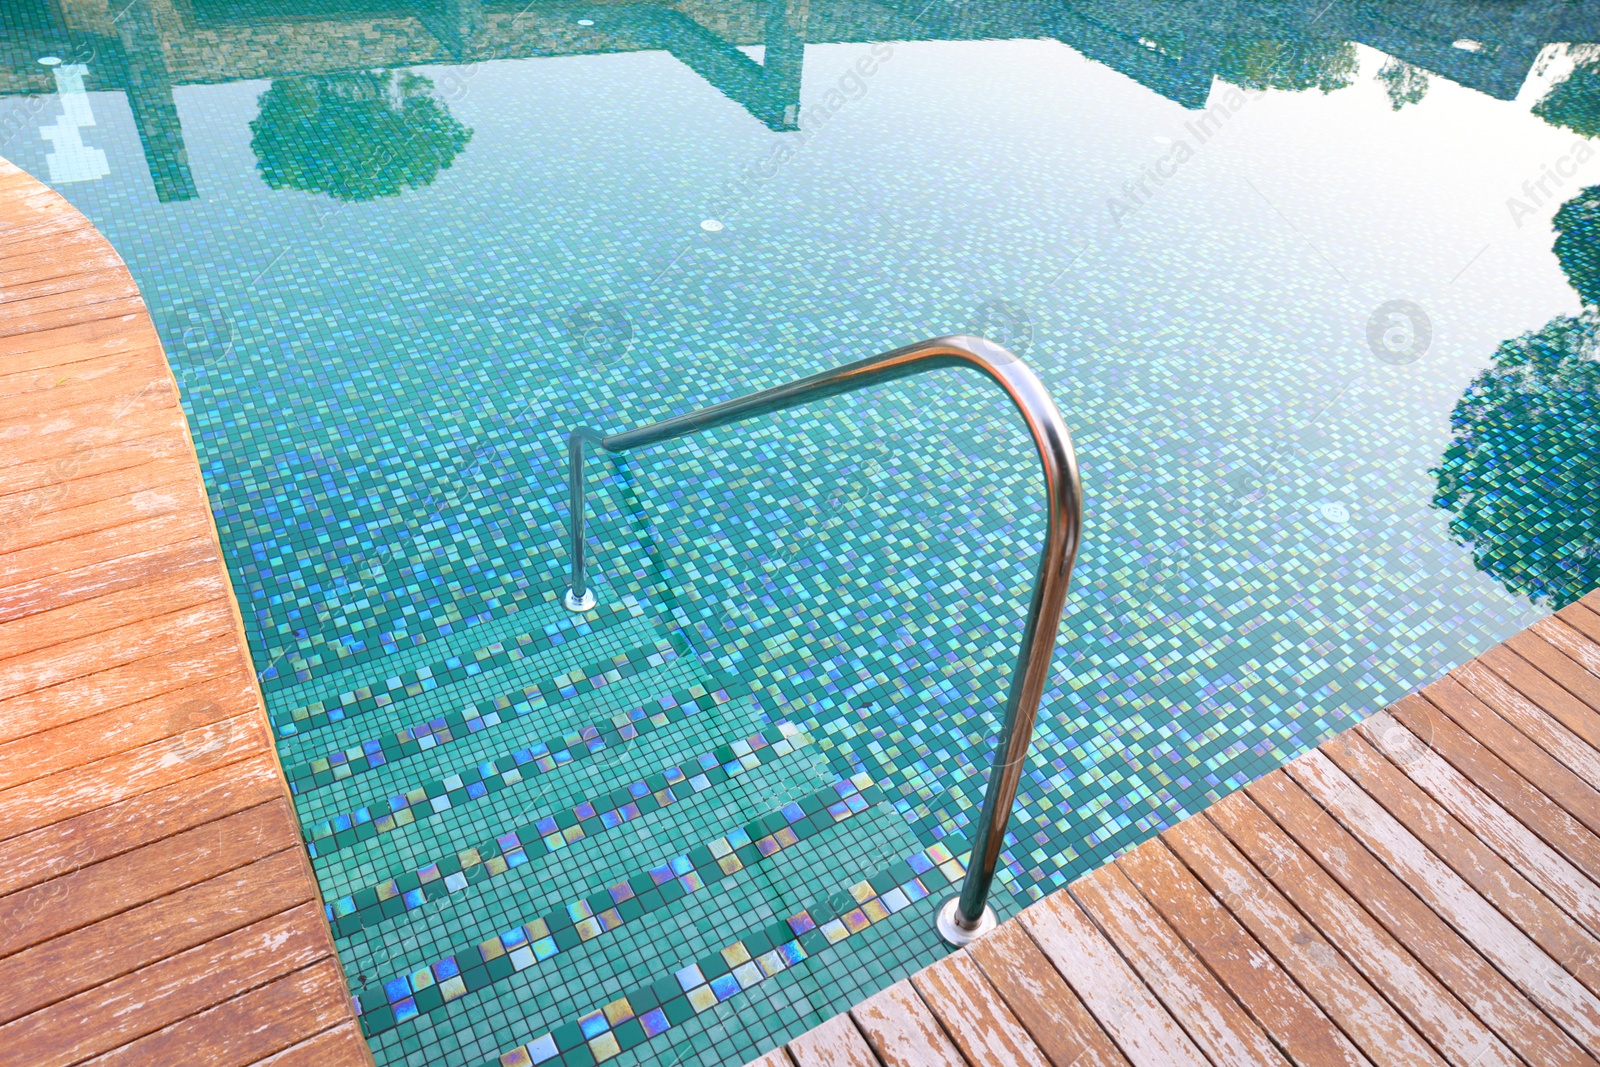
(1291, 271)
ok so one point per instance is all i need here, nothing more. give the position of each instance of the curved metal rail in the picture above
(966, 917)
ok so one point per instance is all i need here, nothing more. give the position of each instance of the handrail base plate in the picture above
(953, 933)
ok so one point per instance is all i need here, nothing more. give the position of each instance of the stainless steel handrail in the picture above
(966, 917)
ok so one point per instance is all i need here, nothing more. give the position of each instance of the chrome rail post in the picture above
(580, 597)
(964, 918)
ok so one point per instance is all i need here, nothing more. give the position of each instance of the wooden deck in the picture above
(156, 905)
(1421, 889)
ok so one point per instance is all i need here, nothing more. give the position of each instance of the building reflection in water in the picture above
(1177, 48)
(1574, 102)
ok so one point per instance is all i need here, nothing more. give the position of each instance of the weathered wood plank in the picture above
(18, 272)
(61, 848)
(22, 282)
(39, 521)
(1205, 1009)
(1321, 970)
(98, 546)
(1540, 977)
(1573, 643)
(902, 1031)
(1042, 1001)
(152, 408)
(29, 204)
(100, 1019)
(163, 671)
(185, 585)
(974, 1014)
(1503, 1007)
(79, 384)
(97, 424)
(1492, 878)
(1583, 619)
(48, 386)
(776, 1058)
(47, 312)
(1427, 1004)
(248, 1027)
(1560, 744)
(1120, 1002)
(46, 224)
(1517, 827)
(1533, 646)
(1256, 980)
(126, 728)
(835, 1043)
(87, 584)
(35, 208)
(123, 943)
(47, 348)
(39, 506)
(34, 475)
(61, 905)
(66, 244)
(156, 904)
(1544, 693)
(45, 801)
(1488, 749)
(345, 1045)
(113, 648)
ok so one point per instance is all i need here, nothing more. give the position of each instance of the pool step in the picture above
(789, 948)
(446, 666)
(396, 817)
(475, 720)
(558, 904)
(517, 955)
(456, 872)
(607, 817)
(643, 977)
(612, 824)
(526, 764)
(586, 915)
(681, 844)
(433, 734)
(327, 651)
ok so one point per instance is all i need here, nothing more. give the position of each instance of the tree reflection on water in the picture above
(354, 136)
(1522, 472)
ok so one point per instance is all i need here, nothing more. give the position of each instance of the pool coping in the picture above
(156, 902)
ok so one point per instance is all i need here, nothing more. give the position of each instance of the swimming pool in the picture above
(1287, 269)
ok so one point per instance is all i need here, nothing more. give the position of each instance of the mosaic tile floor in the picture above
(395, 258)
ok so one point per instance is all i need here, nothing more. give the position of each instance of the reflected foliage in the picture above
(1574, 101)
(1578, 243)
(1292, 65)
(1404, 83)
(1521, 472)
(354, 136)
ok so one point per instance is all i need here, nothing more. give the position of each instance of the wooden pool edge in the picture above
(1421, 888)
(156, 902)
